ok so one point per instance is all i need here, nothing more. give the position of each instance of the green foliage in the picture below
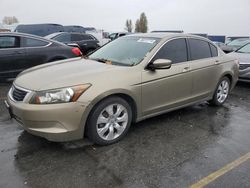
(141, 24)
(129, 25)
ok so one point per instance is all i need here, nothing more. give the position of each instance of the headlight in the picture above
(62, 95)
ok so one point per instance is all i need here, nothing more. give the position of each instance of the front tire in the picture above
(109, 121)
(221, 93)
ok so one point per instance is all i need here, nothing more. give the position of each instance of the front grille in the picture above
(18, 94)
(244, 66)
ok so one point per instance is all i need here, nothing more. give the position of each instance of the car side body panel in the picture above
(160, 88)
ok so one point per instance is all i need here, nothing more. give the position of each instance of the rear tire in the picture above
(221, 93)
(109, 121)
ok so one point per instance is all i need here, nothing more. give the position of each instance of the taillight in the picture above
(76, 51)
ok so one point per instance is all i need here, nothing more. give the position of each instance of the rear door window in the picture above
(64, 38)
(199, 49)
(9, 42)
(30, 42)
(76, 37)
(88, 37)
(79, 37)
(174, 50)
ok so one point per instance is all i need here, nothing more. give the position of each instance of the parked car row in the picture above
(86, 42)
(47, 29)
(21, 51)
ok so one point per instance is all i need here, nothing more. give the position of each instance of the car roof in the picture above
(51, 36)
(20, 34)
(162, 35)
(28, 35)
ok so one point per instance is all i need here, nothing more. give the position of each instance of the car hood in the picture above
(242, 57)
(63, 74)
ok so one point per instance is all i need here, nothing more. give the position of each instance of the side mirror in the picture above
(160, 64)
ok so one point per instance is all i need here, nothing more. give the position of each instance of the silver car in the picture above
(243, 55)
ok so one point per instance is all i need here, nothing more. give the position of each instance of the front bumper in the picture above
(55, 122)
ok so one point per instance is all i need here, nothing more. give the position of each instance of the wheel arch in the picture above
(229, 75)
(124, 94)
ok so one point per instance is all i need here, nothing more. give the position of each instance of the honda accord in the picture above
(128, 80)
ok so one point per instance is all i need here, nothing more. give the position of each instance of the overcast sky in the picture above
(230, 17)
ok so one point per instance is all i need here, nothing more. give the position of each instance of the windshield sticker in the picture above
(150, 41)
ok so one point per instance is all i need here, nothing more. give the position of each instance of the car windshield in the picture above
(239, 42)
(127, 51)
(244, 49)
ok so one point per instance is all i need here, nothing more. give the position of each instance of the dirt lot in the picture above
(173, 150)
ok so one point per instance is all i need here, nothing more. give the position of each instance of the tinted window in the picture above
(79, 37)
(174, 50)
(122, 34)
(76, 37)
(214, 50)
(9, 42)
(63, 38)
(29, 42)
(112, 36)
(199, 49)
(88, 37)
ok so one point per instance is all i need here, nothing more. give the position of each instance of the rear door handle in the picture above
(216, 62)
(185, 69)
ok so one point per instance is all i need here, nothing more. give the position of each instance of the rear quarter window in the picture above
(30, 42)
(63, 38)
(86, 37)
(214, 50)
(199, 49)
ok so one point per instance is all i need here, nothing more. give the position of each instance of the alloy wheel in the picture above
(112, 121)
(222, 91)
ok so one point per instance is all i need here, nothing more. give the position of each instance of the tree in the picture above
(129, 25)
(141, 24)
(137, 26)
(8, 20)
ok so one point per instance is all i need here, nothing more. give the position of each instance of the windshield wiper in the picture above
(102, 60)
(122, 64)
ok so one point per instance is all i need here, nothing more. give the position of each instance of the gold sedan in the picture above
(129, 79)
